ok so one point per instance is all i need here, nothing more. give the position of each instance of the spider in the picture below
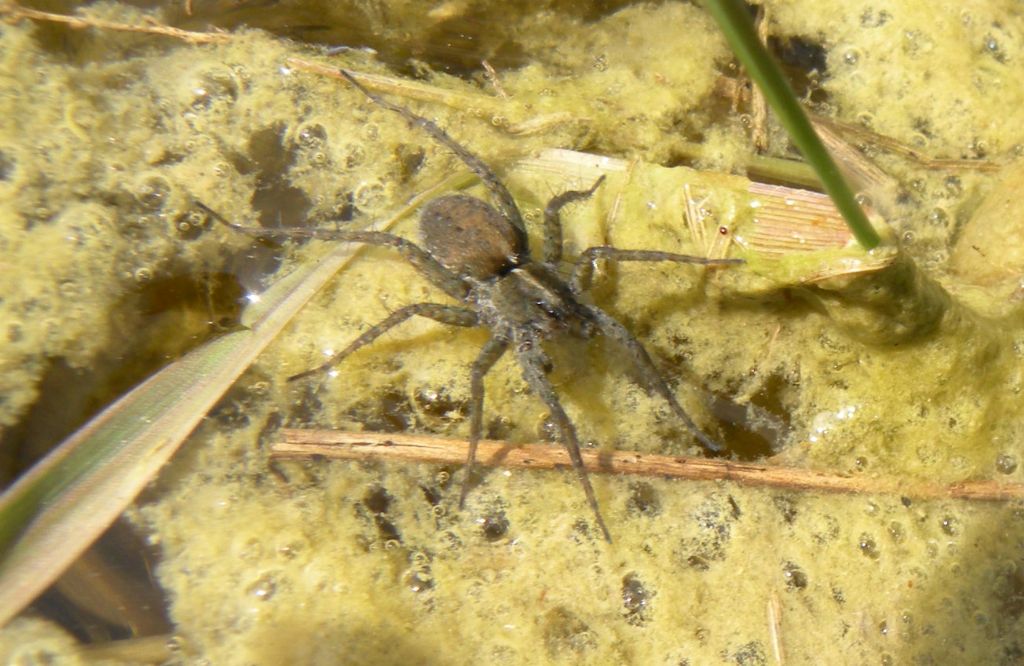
(478, 254)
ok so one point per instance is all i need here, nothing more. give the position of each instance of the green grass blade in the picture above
(733, 19)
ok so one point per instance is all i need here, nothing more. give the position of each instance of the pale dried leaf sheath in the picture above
(789, 220)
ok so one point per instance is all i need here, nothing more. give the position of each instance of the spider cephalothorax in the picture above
(478, 254)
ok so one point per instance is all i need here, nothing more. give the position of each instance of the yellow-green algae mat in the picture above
(362, 563)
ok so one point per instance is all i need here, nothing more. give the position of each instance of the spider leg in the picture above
(489, 355)
(446, 314)
(649, 375)
(506, 204)
(420, 259)
(553, 224)
(532, 360)
(584, 269)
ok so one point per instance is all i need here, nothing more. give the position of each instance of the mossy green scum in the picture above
(108, 138)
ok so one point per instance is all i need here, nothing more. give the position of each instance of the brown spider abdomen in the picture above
(469, 237)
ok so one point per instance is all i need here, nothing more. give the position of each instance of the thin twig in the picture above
(13, 11)
(492, 76)
(439, 450)
(484, 105)
(758, 104)
(775, 628)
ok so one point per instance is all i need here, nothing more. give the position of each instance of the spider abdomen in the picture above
(469, 237)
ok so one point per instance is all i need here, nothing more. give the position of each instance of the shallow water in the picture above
(111, 137)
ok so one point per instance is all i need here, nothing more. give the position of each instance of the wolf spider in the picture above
(479, 255)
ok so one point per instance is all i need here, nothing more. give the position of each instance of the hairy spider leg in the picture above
(533, 361)
(553, 224)
(581, 276)
(446, 314)
(584, 269)
(649, 375)
(420, 259)
(506, 204)
(489, 355)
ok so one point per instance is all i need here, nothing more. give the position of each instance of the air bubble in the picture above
(495, 526)
(420, 581)
(312, 136)
(867, 546)
(355, 155)
(264, 588)
(794, 576)
(852, 56)
(153, 193)
(938, 217)
(289, 550)
(950, 525)
(369, 196)
(1006, 463)
(370, 132)
(212, 87)
(635, 599)
(143, 274)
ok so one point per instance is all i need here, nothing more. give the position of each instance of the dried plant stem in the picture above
(11, 11)
(421, 448)
(477, 104)
(775, 628)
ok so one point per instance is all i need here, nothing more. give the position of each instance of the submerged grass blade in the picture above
(733, 19)
(56, 510)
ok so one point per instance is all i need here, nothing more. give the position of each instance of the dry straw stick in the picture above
(10, 11)
(439, 450)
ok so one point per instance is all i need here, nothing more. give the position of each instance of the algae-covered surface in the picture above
(109, 268)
